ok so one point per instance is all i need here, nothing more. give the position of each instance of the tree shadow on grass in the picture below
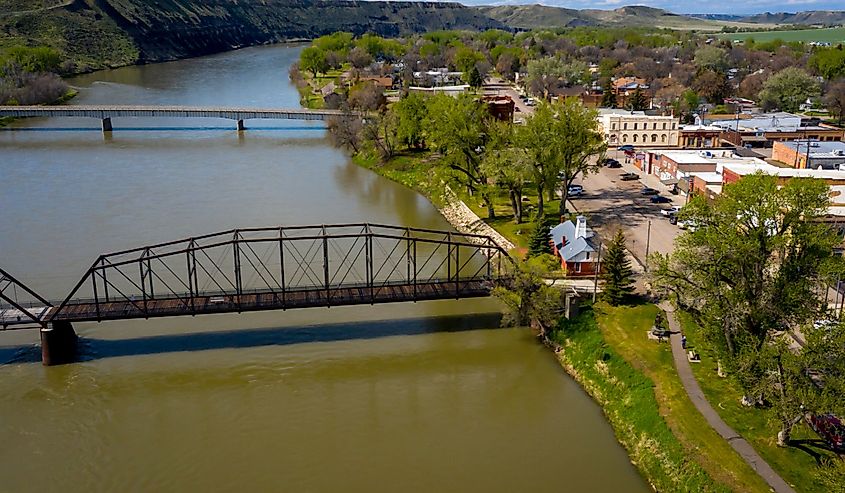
(817, 448)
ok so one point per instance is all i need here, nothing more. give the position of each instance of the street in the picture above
(610, 203)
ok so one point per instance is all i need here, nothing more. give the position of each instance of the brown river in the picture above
(422, 397)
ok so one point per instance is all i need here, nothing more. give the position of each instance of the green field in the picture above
(829, 35)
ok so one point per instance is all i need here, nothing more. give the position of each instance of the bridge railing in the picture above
(280, 261)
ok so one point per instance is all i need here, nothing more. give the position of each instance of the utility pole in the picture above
(596, 275)
(647, 244)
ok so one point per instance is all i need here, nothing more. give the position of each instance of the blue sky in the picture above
(687, 6)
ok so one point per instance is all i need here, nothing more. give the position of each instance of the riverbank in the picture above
(67, 96)
(606, 351)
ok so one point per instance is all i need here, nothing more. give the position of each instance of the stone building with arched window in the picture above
(635, 127)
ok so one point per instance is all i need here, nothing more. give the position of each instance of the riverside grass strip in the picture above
(666, 438)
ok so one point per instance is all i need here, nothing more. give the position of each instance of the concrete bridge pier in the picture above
(58, 343)
(241, 126)
(107, 125)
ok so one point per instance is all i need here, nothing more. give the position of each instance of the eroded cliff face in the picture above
(169, 29)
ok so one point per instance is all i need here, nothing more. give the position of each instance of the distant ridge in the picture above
(809, 17)
(543, 16)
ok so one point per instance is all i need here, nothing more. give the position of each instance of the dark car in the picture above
(626, 148)
(648, 191)
(629, 177)
(659, 199)
(673, 219)
(614, 164)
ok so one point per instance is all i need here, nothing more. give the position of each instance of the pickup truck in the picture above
(629, 177)
(672, 210)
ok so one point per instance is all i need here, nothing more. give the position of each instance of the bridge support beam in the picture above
(107, 125)
(58, 343)
(241, 126)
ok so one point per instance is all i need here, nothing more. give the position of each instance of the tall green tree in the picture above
(751, 269)
(539, 139)
(608, 95)
(580, 145)
(788, 89)
(538, 243)
(616, 271)
(528, 298)
(638, 101)
(411, 112)
(834, 99)
(458, 128)
(506, 166)
(474, 78)
(313, 59)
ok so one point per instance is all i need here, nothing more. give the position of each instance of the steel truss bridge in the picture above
(105, 113)
(276, 268)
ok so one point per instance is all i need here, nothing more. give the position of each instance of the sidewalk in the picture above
(745, 450)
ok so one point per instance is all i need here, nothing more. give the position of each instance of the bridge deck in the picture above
(262, 300)
(118, 111)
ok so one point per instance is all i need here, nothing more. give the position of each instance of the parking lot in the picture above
(610, 203)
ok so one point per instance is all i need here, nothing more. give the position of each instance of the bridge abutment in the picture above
(107, 125)
(241, 126)
(58, 343)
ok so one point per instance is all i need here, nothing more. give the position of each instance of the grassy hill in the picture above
(827, 35)
(541, 16)
(104, 33)
(810, 17)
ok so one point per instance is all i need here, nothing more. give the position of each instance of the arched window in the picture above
(654, 137)
(645, 137)
(635, 137)
(625, 138)
(663, 137)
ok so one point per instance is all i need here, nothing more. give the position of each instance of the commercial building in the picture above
(700, 136)
(810, 154)
(763, 130)
(621, 127)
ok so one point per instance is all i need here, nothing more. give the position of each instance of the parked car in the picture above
(659, 199)
(688, 225)
(614, 164)
(629, 177)
(648, 191)
(673, 219)
(626, 148)
(529, 102)
(671, 211)
(574, 190)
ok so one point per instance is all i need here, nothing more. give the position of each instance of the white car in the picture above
(574, 190)
(688, 225)
(672, 210)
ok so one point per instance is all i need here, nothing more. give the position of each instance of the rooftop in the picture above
(749, 169)
(818, 149)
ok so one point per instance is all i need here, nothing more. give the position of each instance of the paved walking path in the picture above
(697, 397)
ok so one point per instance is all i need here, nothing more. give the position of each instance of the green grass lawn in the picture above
(829, 35)
(600, 352)
(624, 330)
(797, 464)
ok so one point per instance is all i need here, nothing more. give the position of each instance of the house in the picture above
(572, 243)
(501, 107)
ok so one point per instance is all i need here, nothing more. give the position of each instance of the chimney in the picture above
(580, 227)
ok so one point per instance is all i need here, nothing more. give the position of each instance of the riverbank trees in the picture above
(751, 274)
(30, 76)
